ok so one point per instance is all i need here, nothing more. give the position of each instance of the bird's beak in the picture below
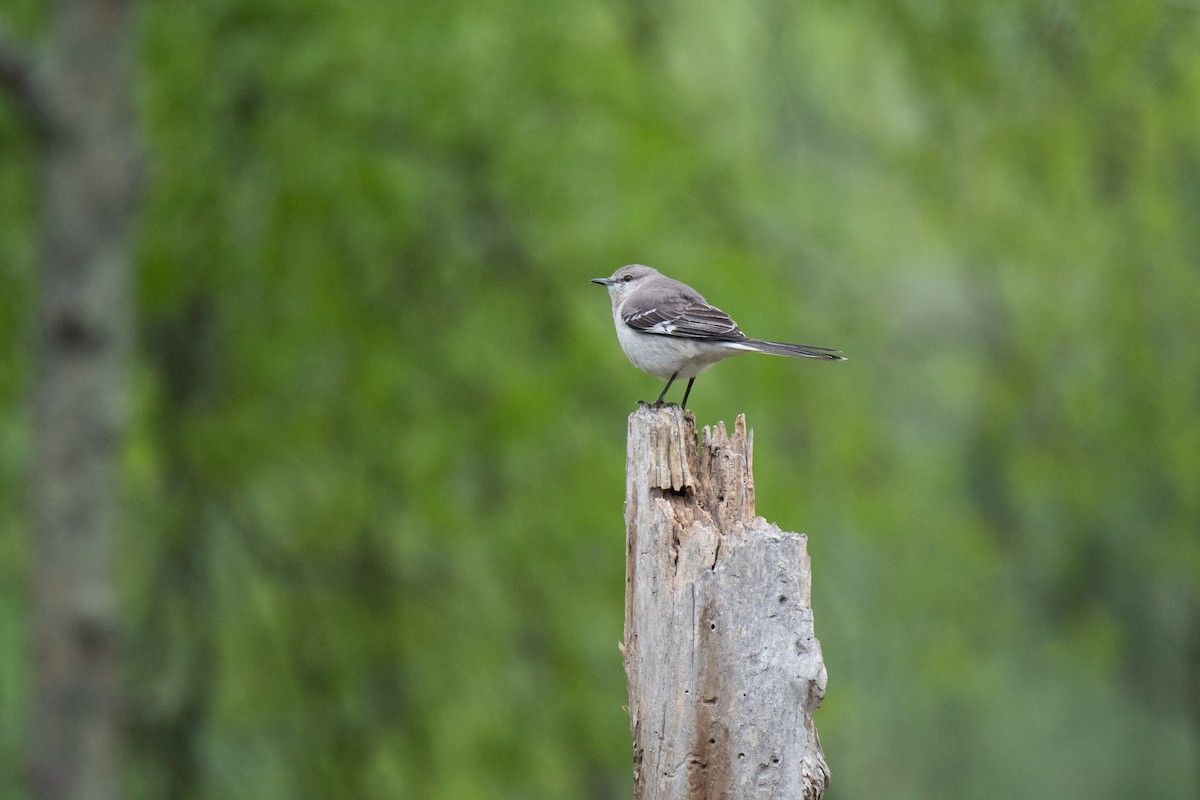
(603, 281)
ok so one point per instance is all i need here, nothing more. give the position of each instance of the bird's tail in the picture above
(794, 350)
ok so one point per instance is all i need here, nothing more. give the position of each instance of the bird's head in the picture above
(625, 280)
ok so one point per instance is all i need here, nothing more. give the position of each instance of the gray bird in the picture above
(668, 330)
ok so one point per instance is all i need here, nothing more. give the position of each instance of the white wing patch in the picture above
(666, 326)
(662, 326)
(688, 320)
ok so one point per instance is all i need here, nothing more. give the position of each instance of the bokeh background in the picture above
(373, 486)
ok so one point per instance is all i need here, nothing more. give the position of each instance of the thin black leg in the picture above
(663, 393)
(687, 391)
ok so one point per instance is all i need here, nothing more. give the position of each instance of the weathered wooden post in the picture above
(724, 670)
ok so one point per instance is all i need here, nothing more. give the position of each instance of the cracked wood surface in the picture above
(723, 667)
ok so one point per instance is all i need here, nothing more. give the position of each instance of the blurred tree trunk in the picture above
(81, 104)
(724, 669)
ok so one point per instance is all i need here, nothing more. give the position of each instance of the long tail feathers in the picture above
(795, 350)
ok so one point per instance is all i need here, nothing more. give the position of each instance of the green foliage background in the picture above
(374, 543)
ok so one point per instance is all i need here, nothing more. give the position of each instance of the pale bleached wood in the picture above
(724, 670)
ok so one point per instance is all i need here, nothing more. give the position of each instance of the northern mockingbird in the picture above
(667, 329)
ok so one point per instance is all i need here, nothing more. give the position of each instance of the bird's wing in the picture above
(686, 318)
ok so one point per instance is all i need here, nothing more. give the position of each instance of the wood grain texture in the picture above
(723, 667)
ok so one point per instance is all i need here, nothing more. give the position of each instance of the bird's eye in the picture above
(627, 278)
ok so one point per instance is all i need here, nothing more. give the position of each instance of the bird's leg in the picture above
(687, 391)
(663, 393)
